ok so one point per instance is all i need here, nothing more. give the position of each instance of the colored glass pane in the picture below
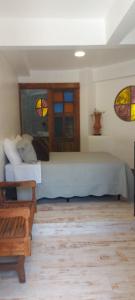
(58, 97)
(42, 107)
(133, 94)
(58, 107)
(68, 96)
(44, 103)
(123, 111)
(39, 112)
(123, 97)
(68, 108)
(132, 112)
(44, 111)
(38, 104)
(58, 126)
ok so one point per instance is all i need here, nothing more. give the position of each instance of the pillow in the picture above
(11, 151)
(41, 147)
(17, 139)
(27, 137)
(26, 151)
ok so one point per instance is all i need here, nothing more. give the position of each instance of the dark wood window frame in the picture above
(52, 87)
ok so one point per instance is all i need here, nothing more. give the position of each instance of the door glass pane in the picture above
(58, 126)
(58, 107)
(69, 127)
(68, 96)
(68, 107)
(58, 97)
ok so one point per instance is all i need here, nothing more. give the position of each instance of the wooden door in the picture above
(65, 120)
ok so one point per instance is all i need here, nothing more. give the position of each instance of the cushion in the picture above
(27, 137)
(26, 151)
(41, 147)
(11, 151)
(17, 139)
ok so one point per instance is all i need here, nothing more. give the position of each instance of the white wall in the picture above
(118, 135)
(9, 102)
(9, 107)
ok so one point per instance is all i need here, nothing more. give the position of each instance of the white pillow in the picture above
(17, 139)
(27, 137)
(11, 151)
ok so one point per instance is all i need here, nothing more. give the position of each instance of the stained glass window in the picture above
(42, 107)
(125, 104)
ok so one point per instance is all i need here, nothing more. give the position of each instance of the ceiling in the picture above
(59, 59)
(44, 34)
(55, 8)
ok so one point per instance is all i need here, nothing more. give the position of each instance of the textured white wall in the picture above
(9, 102)
(118, 135)
(9, 107)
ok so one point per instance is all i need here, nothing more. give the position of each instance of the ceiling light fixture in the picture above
(79, 53)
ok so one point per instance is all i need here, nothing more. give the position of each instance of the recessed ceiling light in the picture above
(79, 53)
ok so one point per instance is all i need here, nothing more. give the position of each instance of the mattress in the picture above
(69, 174)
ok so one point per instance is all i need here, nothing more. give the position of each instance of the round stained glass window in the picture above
(41, 107)
(125, 104)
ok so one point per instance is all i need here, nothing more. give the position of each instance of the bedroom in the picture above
(99, 83)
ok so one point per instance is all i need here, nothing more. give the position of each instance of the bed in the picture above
(69, 174)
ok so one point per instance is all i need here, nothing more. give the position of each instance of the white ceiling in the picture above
(43, 34)
(55, 8)
(59, 59)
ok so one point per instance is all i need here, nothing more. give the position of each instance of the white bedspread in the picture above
(82, 174)
(70, 174)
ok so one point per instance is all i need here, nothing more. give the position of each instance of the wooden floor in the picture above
(85, 209)
(81, 251)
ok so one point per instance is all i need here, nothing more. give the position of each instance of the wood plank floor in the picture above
(82, 250)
